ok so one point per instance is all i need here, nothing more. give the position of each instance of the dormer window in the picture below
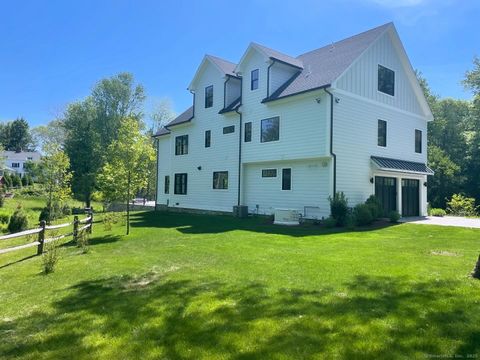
(386, 80)
(254, 79)
(209, 96)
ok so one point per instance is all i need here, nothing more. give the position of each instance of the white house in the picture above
(15, 161)
(277, 131)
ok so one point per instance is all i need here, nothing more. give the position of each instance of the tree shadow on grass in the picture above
(156, 316)
(214, 224)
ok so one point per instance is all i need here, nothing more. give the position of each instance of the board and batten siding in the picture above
(164, 161)
(355, 141)
(303, 123)
(362, 77)
(310, 187)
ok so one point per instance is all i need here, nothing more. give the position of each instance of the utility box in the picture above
(240, 211)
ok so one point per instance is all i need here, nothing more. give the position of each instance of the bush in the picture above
(66, 210)
(18, 221)
(4, 217)
(82, 241)
(375, 206)
(461, 205)
(394, 216)
(2, 195)
(363, 214)
(50, 257)
(437, 212)
(8, 180)
(330, 222)
(24, 180)
(339, 208)
(16, 181)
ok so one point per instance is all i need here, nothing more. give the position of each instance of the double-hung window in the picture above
(209, 96)
(254, 79)
(180, 184)
(208, 138)
(181, 145)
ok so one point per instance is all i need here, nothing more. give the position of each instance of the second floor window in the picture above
(15, 165)
(382, 133)
(167, 184)
(270, 129)
(220, 180)
(254, 80)
(386, 80)
(269, 173)
(209, 96)
(248, 132)
(180, 184)
(208, 135)
(181, 145)
(418, 141)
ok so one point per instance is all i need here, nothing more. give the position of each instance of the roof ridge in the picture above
(219, 58)
(386, 25)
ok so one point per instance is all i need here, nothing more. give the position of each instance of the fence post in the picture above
(41, 238)
(75, 228)
(89, 229)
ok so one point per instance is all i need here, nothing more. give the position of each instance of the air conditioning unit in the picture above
(287, 217)
(240, 211)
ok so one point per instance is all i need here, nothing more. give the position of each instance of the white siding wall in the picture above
(303, 128)
(222, 155)
(164, 164)
(310, 186)
(355, 140)
(232, 90)
(279, 75)
(361, 78)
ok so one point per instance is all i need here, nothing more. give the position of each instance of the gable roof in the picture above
(184, 117)
(323, 66)
(225, 67)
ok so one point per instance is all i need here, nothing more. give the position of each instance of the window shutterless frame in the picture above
(270, 129)
(266, 173)
(229, 129)
(181, 145)
(254, 79)
(382, 133)
(209, 96)
(208, 136)
(418, 141)
(386, 80)
(220, 179)
(167, 184)
(181, 184)
(248, 132)
(287, 179)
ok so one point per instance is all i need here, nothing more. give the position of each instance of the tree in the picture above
(93, 124)
(444, 183)
(55, 175)
(16, 135)
(162, 114)
(82, 144)
(51, 134)
(114, 99)
(127, 168)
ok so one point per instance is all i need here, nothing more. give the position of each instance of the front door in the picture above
(386, 192)
(410, 197)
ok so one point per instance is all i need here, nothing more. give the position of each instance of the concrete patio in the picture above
(444, 221)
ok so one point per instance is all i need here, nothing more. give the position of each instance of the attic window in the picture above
(209, 96)
(386, 80)
(254, 80)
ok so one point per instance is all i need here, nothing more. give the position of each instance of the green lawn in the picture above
(200, 287)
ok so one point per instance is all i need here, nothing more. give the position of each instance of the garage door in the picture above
(410, 197)
(386, 192)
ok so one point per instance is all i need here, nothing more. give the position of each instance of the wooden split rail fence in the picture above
(78, 227)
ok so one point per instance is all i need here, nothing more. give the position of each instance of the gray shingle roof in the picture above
(233, 106)
(184, 117)
(322, 66)
(162, 131)
(274, 54)
(401, 165)
(226, 66)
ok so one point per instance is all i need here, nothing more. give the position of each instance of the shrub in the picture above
(339, 208)
(363, 214)
(50, 257)
(82, 241)
(375, 206)
(66, 210)
(394, 216)
(330, 222)
(24, 180)
(2, 195)
(350, 221)
(461, 205)
(16, 181)
(18, 221)
(4, 217)
(8, 180)
(437, 212)
(44, 215)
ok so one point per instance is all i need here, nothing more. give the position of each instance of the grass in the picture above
(213, 287)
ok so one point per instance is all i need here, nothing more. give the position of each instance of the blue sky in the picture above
(53, 52)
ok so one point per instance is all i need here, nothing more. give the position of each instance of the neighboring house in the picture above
(276, 131)
(15, 161)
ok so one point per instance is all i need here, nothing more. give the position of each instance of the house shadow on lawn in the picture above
(155, 316)
(214, 224)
